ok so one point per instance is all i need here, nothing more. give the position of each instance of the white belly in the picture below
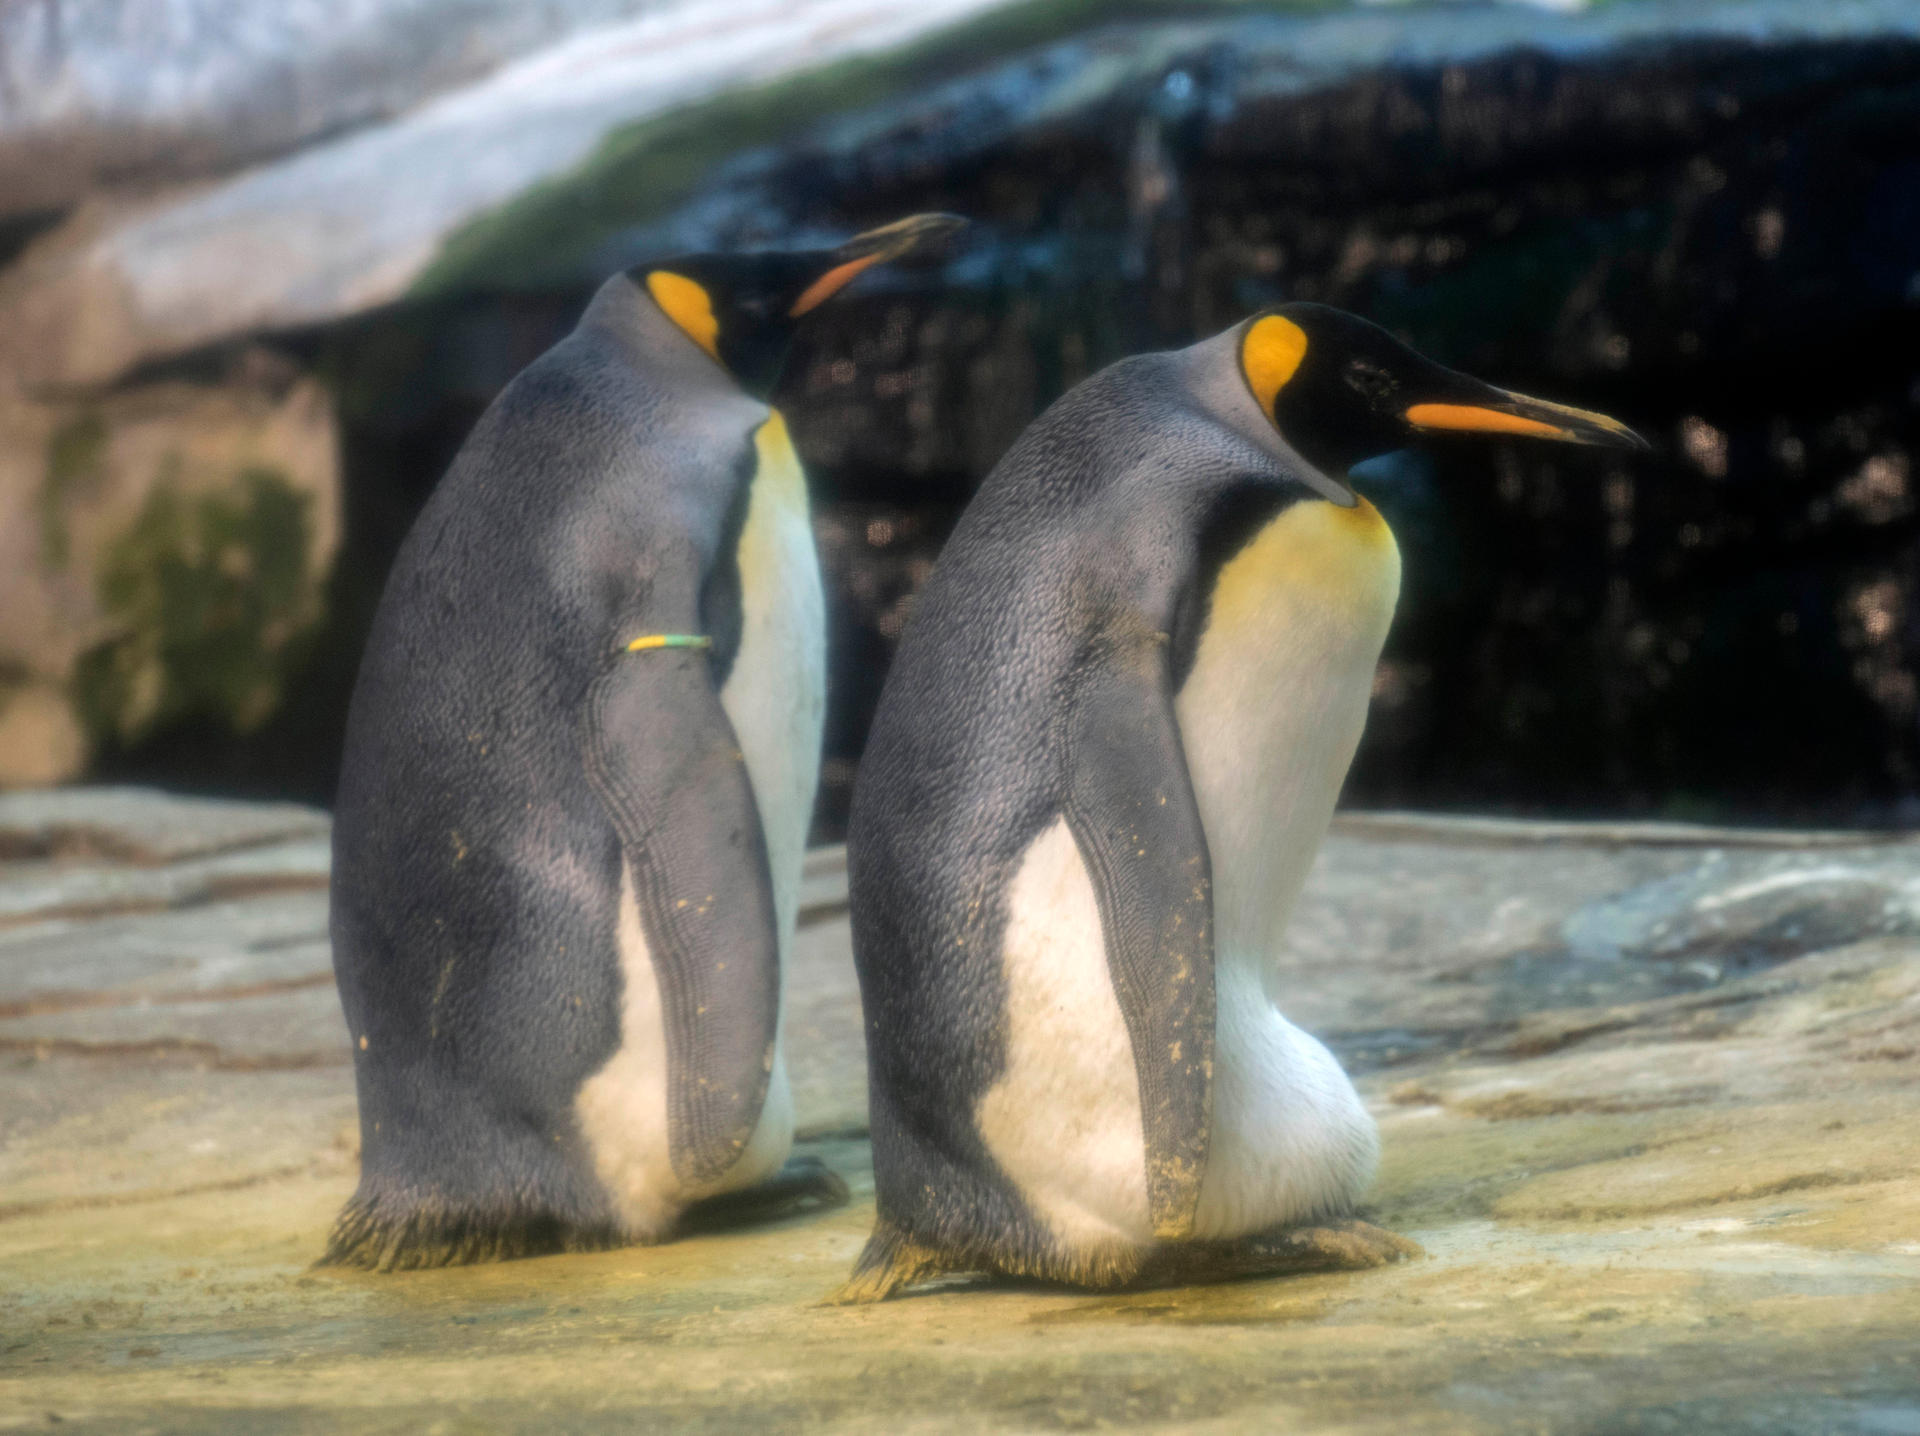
(775, 698)
(1270, 717)
(1063, 1120)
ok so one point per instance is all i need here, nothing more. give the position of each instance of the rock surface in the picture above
(355, 222)
(1672, 210)
(1698, 214)
(164, 550)
(97, 90)
(346, 225)
(1648, 1099)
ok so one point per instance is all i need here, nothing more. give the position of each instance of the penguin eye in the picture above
(1370, 381)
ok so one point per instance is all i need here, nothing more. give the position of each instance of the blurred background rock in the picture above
(263, 262)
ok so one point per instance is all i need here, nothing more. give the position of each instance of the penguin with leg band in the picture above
(579, 768)
(1107, 752)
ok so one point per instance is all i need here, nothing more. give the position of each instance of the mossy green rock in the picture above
(210, 596)
(164, 552)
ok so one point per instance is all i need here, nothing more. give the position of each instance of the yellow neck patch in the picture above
(1269, 355)
(778, 474)
(688, 305)
(1341, 562)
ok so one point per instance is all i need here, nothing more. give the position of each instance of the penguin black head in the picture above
(1341, 390)
(742, 308)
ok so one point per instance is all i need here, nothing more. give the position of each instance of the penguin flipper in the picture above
(663, 757)
(1131, 806)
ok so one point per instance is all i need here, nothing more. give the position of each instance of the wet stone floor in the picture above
(1650, 1099)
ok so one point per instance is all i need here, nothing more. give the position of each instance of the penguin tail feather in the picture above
(891, 1260)
(371, 1236)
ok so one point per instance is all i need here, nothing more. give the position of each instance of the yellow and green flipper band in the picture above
(669, 640)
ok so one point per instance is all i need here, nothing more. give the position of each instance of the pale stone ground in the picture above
(1650, 1098)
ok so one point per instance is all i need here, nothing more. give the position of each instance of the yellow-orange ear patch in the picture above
(1270, 354)
(1471, 418)
(831, 283)
(688, 305)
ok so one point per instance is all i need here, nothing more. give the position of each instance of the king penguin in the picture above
(1107, 752)
(579, 766)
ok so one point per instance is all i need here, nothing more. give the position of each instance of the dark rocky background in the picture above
(1711, 230)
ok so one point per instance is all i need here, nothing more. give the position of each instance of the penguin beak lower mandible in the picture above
(1510, 413)
(917, 233)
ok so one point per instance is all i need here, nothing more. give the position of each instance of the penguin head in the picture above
(742, 308)
(1341, 390)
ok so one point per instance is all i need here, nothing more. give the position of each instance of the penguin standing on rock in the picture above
(1103, 761)
(579, 767)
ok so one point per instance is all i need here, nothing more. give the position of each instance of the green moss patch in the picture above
(76, 462)
(212, 597)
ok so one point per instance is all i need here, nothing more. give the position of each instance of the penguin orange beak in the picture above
(915, 233)
(1511, 413)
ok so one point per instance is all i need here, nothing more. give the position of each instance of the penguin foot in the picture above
(803, 1184)
(890, 1261)
(1347, 1245)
